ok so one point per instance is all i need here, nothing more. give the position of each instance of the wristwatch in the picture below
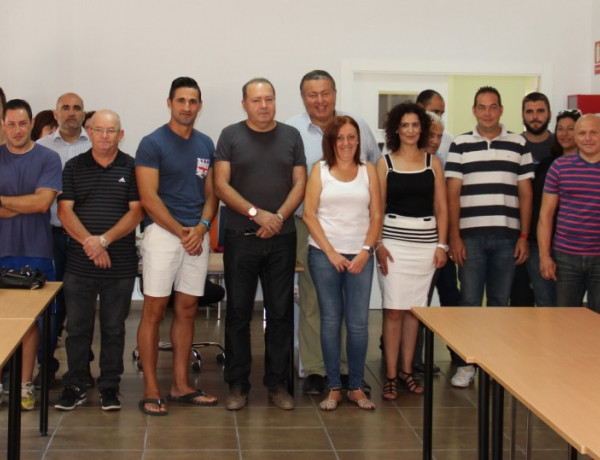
(252, 212)
(103, 242)
(369, 249)
(445, 247)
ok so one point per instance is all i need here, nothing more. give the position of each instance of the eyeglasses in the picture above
(573, 112)
(110, 132)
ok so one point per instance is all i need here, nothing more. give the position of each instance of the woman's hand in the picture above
(439, 258)
(338, 261)
(383, 255)
(358, 263)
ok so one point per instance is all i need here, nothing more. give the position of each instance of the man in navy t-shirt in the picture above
(174, 175)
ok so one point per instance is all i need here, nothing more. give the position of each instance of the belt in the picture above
(59, 230)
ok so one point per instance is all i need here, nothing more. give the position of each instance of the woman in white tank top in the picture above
(342, 210)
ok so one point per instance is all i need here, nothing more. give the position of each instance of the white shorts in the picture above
(167, 266)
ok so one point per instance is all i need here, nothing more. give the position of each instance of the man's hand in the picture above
(92, 247)
(269, 221)
(458, 252)
(192, 238)
(548, 268)
(521, 251)
(102, 260)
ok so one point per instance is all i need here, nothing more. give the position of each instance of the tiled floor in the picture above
(261, 431)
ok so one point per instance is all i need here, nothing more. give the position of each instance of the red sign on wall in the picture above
(597, 58)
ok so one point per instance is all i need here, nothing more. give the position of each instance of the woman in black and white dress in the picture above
(414, 237)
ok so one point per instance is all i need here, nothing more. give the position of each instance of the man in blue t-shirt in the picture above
(30, 179)
(175, 183)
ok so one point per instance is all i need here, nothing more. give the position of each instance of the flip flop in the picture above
(158, 402)
(190, 398)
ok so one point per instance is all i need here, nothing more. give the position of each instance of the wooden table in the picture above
(548, 358)
(21, 307)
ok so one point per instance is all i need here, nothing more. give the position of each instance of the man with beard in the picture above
(529, 287)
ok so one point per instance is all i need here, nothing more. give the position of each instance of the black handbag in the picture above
(25, 278)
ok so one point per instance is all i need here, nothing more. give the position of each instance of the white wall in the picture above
(123, 54)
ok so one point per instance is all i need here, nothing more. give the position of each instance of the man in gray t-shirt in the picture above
(260, 174)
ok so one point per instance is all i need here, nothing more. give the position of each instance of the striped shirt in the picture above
(577, 184)
(490, 171)
(65, 151)
(101, 197)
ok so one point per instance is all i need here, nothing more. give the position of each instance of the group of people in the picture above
(314, 189)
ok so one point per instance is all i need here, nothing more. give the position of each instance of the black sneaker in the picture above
(109, 399)
(70, 398)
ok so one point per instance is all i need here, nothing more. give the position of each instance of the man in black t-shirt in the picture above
(100, 210)
(260, 174)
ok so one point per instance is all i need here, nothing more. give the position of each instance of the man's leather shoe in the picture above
(281, 398)
(237, 399)
(314, 384)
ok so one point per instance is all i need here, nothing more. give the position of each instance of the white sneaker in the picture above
(463, 377)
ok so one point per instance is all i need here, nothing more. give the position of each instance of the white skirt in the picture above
(409, 277)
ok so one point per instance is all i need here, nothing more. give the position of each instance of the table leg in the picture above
(497, 420)
(483, 409)
(572, 453)
(14, 405)
(428, 402)
(44, 372)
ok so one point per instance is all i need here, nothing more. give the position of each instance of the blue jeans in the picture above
(342, 296)
(544, 291)
(576, 275)
(489, 265)
(246, 260)
(115, 300)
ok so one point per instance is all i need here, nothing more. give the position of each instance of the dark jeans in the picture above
(576, 275)
(115, 300)
(246, 260)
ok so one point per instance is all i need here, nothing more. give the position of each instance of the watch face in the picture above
(252, 211)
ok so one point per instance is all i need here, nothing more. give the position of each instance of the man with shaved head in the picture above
(572, 192)
(99, 209)
(69, 140)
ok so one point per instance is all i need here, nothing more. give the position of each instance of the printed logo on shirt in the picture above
(202, 167)
(122, 180)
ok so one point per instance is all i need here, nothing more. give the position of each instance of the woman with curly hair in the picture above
(414, 236)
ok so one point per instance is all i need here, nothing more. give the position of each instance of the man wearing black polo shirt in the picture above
(100, 211)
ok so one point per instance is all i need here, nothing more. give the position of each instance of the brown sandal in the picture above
(390, 389)
(408, 381)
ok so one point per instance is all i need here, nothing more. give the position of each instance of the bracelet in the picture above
(206, 224)
(444, 247)
(524, 235)
(279, 216)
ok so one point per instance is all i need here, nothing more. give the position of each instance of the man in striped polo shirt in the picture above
(489, 173)
(100, 209)
(573, 188)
